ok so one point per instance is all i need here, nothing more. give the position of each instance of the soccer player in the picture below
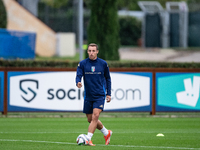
(97, 84)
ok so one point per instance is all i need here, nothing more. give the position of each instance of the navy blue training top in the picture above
(96, 75)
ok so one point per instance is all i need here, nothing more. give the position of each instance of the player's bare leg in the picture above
(98, 124)
(94, 120)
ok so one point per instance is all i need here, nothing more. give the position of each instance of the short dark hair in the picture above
(93, 44)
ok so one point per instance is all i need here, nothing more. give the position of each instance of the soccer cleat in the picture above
(108, 137)
(89, 143)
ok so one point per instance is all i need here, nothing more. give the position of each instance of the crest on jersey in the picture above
(93, 68)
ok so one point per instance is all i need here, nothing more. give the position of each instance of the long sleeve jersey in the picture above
(96, 76)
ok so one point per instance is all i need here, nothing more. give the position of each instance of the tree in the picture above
(130, 30)
(3, 15)
(194, 5)
(103, 28)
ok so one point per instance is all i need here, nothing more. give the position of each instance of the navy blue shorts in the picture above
(90, 105)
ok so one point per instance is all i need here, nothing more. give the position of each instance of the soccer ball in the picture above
(81, 139)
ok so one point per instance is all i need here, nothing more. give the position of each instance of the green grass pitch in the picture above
(128, 133)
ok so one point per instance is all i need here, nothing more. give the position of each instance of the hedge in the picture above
(112, 64)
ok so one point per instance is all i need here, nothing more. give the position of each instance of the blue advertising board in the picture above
(17, 44)
(57, 91)
(177, 91)
(1, 90)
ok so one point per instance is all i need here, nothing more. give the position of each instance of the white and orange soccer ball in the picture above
(82, 139)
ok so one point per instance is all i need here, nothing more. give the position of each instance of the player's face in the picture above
(92, 52)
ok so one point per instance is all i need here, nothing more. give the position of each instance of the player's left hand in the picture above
(108, 98)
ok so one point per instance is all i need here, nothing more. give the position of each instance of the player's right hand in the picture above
(79, 85)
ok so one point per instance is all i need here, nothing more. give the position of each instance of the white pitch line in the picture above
(153, 147)
(33, 141)
(37, 132)
(84, 131)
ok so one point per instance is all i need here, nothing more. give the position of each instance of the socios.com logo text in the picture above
(73, 94)
(120, 94)
(30, 87)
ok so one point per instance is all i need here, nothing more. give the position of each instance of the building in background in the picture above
(21, 19)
